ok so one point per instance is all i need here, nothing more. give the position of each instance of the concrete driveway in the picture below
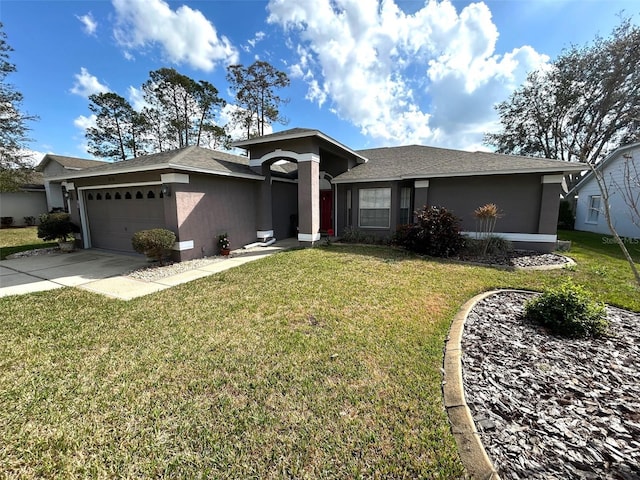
(56, 270)
(105, 272)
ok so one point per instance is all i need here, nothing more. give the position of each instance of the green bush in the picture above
(57, 226)
(493, 246)
(355, 235)
(436, 233)
(155, 243)
(568, 311)
(566, 220)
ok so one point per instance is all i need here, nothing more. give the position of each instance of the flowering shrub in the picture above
(223, 242)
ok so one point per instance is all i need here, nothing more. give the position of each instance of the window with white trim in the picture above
(374, 207)
(405, 205)
(594, 209)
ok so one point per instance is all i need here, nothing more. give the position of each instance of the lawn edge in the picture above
(470, 448)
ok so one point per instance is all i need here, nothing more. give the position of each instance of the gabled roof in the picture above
(189, 159)
(608, 159)
(297, 133)
(69, 163)
(416, 161)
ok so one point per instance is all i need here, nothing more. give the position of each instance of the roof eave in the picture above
(457, 174)
(296, 135)
(164, 166)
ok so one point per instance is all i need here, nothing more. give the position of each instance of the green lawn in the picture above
(316, 363)
(13, 240)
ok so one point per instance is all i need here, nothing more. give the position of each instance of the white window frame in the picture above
(593, 209)
(381, 201)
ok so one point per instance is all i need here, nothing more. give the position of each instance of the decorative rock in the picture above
(560, 408)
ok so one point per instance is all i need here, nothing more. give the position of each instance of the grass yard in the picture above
(14, 240)
(316, 363)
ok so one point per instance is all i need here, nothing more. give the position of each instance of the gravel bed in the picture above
(549, 407)
(33, 253)
(521, 259)
(155, 272)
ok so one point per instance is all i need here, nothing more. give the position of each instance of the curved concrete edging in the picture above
(472, 452)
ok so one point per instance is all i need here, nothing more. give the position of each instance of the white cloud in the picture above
(432, 76)
(185, 35)
(87, 84)
(259, 36)
(83, 122)
(136, 98)
(89, 23)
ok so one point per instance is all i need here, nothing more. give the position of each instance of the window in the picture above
(90, 196)
(405, 205)
(349, 207)
(139, 195)
(127, 196)
(107, 196)
(118, 196)
(375, 206)
(594, 209)
(98, 196)
(151, 194)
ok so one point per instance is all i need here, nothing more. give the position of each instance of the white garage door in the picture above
(115, 214)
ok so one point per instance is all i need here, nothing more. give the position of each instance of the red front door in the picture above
(326, 207)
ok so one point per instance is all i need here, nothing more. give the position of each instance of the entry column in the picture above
(309, 199)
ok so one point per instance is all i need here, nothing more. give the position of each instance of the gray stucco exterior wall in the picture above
(208, 206)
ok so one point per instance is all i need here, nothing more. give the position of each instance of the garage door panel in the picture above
(114, 215)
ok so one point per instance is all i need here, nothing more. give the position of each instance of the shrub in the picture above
(30, 220)
(493, 246)
(154, 243)
(566, 219)
(57, 226)
(223, 242)
(568, 311)
(6, 221)
(486, 219)
(355, 235)
(436, 233)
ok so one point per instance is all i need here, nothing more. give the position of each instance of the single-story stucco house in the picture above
(302, 183)
(621, 173)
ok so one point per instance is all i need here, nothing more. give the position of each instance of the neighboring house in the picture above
(29, 201)
(56, 166)
(303, 183)
(617, 169)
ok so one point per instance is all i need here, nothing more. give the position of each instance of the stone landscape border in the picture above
(472, 452)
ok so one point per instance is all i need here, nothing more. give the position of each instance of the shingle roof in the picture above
(195, 159)
(71, 163)
(296, 133)
(416, 161)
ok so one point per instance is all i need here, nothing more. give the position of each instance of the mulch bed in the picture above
(549, 407)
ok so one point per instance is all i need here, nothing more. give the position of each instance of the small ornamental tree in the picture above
(486, 217)
(154, 243)
(57, 226)
(436, 233)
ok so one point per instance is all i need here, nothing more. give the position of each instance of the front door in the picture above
(326, 210)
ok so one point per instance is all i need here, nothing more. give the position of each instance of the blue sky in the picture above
(365, 72)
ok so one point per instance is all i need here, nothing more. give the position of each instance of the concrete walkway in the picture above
(105, 272)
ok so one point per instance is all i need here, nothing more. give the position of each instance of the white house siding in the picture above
(22, 204)
(620, 211)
